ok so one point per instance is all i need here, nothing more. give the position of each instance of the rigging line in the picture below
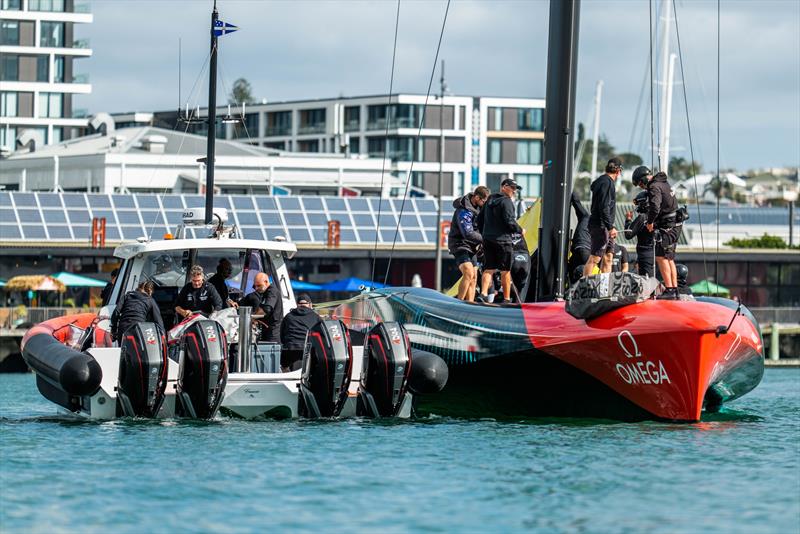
(719, 176)
(180, 146)
(416, 145)
(385, 143)
(691, 145)
(652, 82)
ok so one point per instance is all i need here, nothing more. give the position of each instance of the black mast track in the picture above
(562, 67)
(212, 119)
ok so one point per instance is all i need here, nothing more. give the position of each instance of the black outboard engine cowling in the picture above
(327, 364)
(203, 370)
(384, 371)
(142, 371)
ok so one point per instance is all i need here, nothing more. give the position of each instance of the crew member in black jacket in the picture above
(266, 298)
(581, 241)
(197, 295)
(601, 219)
(105, 294)
(224, 271)
(661, 215)
(464, 239)
(497, 222)
(135, 307)
(636, 227)
(294, 329)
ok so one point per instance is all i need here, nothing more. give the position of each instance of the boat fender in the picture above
(327, 365)
(73, 372)
(142, 371)
(429, 373)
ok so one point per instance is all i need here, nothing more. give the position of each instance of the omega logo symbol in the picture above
(641, 371)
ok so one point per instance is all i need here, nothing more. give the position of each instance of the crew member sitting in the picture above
(224, 271)
(266, 299)
(197, 295)
(135, 307)
(294, 329)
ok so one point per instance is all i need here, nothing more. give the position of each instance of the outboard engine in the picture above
(384, 371)
(142, 371)
(327, 364)
(203, 370)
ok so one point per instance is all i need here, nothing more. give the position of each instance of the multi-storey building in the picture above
(38, 50)
(485, 139)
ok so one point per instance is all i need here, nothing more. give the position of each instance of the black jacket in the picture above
(271, 304)
(135, 307)
(637, 227)
(497, 220)
(604, 203)
(204, 299)
(464, 226)
(218, 281)
(661, 199)
(580, 238)
(105, 294)
(296, 325)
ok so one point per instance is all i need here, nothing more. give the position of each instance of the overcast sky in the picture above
(317, 49)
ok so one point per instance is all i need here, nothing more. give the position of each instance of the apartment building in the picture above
(38, 75)
(486, 139)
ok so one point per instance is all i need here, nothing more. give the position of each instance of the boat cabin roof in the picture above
(129, 250)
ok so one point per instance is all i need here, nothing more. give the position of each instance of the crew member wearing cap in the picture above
(498, 223)
(266, 299)
(662, 215)
(294, 329)
(636, 227)
(601, 217)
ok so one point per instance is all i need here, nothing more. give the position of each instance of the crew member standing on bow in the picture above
(662, 215)
(464, 239)
(197, 295)
(498, 224)
(636, 227)
(601, 218)
(266, 298)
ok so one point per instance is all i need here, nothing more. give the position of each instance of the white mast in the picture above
(668, 115)
(596, 135)
(666, 89)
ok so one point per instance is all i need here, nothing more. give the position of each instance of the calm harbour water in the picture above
(738, 471)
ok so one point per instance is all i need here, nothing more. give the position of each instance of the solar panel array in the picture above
(41, 217)
(303, 220)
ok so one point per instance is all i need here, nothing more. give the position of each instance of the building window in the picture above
(312, 121)
(9, 32)
(308, 146)
(530, 119)
(11, 5)
(279, 145)
(494, 179)
(355, 145)
(42, 68)
(8, 105)
(52, 34)
(531, 184)
(352, 118)
(45, 5)
(279, 123)
(495, 150)
(58, 135)
(8, 136)
(51, 104)
(529, 152)
(495, 119)
(247, 129)
(9, 68)
(58, 69)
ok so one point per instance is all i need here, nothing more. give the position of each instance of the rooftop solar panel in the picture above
(33, 232)
(8, 231)
(29, 216)
(172, 202)
(289, 203)
(313, 204)
(8, 216)
(123, 201)
(335, 204)
(74, 200)
(25, 199)
(147, 201)
(242, 202)
(99, 201)
(54, 217)
(317, 219)
(59, 232)
(49, 200)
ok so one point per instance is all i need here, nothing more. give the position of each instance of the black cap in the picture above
(303, 298)
(512, 183)
(614, 164)
(639, 174)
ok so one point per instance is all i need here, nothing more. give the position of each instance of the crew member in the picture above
(197, 295)
(464, 239)
(498, 224)
(636, 227)
(661, 215)
(294, 329)
(135, 307)
(581, 241)
(224, 271)
(266, 299)
(105, 294)
(601, 219)
(616, 261)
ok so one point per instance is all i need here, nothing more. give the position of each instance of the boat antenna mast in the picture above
(212, 116)
(562, 68)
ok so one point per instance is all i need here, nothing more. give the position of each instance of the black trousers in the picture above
(644, 259)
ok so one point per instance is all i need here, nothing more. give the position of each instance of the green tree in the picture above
(765, 241)
(605, 152)
(242, 92)
(720, 188)
(630, 160)
(681, 169)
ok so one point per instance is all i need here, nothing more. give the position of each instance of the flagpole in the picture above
(212, 118)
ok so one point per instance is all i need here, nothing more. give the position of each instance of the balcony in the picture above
(82, 8)
(397, 122)
(352, 126)
(306, 129)
(81, 43)
(80, 78)
(274, 131)
(80, 113)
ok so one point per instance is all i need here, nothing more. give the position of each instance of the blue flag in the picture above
(222, 28)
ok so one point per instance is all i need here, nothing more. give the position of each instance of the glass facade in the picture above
(8, 104)
(9, 32)
(279, 123)
(352, 118)
(52, 34)
(46, 5)
(51, 105)
(9, 68)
